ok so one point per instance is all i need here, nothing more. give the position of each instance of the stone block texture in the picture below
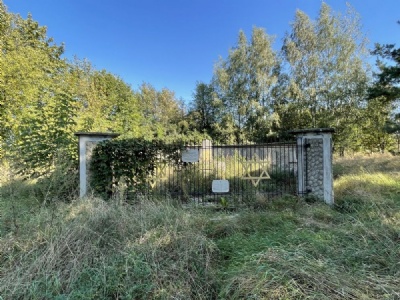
(315, 167)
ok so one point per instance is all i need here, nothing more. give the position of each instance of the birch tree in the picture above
(328, 76)
(243, 84)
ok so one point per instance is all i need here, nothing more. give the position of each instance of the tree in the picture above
(44, 99)
(47, 136)
(203, 112)
(162, 112)
(243, 84)
(376, 128)
(382, 97)
(107, 103)
(328, 76)
(30, 68)
(388, 79)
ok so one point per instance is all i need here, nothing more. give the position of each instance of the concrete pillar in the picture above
(87, 142)
(314, 150)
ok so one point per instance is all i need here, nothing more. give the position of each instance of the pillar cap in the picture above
(312, 130)
(107, 134)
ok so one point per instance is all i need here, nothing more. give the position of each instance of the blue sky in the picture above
(175, 43)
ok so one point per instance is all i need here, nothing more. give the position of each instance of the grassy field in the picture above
(289, 248)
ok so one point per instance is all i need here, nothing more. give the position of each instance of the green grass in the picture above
(311, 251)
(288, 248)
(98, 250)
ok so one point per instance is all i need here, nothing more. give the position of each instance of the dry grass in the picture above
(286, 249)
(108, 251)
(362, 163)
(311, 251)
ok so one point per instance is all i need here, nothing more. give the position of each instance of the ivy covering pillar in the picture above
(87, 142)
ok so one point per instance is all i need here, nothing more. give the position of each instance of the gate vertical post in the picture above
(314, 169)
(86, 143)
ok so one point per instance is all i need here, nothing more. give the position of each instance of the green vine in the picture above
(131, 160)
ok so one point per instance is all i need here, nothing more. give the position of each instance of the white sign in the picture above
(190, 155)
(220, 186)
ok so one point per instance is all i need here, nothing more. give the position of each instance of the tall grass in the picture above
(300, 250)
(283, 248)
(99, 250)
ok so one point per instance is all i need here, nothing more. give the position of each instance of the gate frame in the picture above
(87, 142)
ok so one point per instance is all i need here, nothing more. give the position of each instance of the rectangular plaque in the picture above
(190, 155)
(220, 186)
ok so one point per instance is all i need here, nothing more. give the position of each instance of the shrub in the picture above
(129, 160)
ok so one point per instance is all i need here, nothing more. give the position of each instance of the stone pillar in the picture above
(87, 142)
(314, 158)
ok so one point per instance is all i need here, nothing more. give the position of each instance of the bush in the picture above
(129, 160)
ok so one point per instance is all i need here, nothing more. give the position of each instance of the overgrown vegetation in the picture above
(45, 99)
(286, 248)
(306, 250)
(319, 78)
(92, 249)
(53, 246)
(126, 167)
(130, 161)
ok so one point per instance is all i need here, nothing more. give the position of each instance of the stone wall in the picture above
(314, 167)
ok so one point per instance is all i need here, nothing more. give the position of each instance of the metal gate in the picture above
(226, 174)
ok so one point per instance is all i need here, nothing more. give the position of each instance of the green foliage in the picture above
(239, 96)
(44, 99)
(47, 134)
(383, 96)
(327, 78)
(204, 110)
(130, 161)
(30, 66)
(106, 102)
(320, 79)
(375, 136)
(224, 202)
(388, 79)
(162, 112)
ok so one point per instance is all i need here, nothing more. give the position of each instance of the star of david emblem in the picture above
(159, 174)
(252, 165)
